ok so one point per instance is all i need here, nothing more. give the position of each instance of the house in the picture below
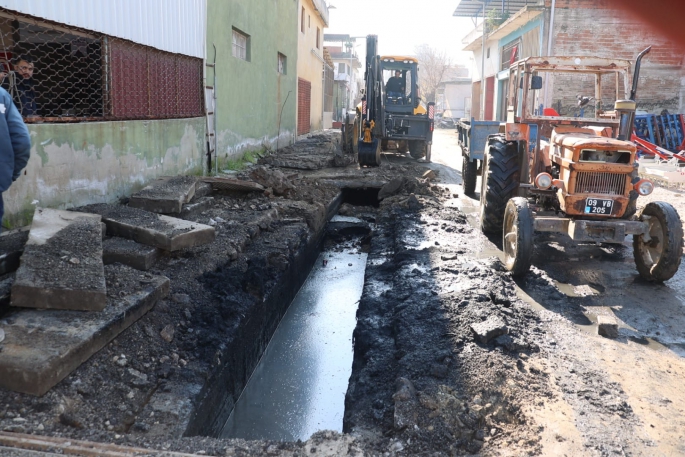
(252, 55)
(453, 95)
(348, 82)
(118, 94)
(312, 67)
(517, 29)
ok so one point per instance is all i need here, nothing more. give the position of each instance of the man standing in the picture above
(15, 144)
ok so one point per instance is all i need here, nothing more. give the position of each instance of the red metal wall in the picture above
(147, 83)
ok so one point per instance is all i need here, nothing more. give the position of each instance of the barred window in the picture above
(318, 38)
(282, 68)
(57, 73)
(239, 45)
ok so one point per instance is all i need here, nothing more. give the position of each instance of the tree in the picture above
(433, 68)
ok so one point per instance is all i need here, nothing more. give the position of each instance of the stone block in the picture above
(128, 252)
(492, 327)
(165, 195)
(607, 326)
(42, 347)
(164, 232)
(195, 207)
(61, 266)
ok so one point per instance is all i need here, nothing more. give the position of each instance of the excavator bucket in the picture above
(369, 154)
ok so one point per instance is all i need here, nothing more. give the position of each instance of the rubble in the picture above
(492, 327)
(165, 195)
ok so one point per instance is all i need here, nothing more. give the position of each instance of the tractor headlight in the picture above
(543, 181)
(644, 187)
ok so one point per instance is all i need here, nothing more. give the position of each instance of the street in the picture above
(570, 285)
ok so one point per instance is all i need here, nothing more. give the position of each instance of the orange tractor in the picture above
(572, 168)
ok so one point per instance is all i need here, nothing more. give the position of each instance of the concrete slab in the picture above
(42, 347)
(128, 252)
(238, 185)
(61, 266)
(165, 195)
(195, 207)
(164, 232)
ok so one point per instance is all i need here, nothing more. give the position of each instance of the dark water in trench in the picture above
(299, 385)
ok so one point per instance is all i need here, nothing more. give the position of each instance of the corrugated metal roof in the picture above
(177, 26)
(470, 8)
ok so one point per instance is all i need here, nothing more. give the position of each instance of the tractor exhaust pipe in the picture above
(625, 109)
(636, 73)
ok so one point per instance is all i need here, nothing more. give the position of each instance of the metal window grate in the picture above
(57, 73)
(600, 183)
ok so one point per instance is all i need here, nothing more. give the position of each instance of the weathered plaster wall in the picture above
(78, 164)
(251, 93)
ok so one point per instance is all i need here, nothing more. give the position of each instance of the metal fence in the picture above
(62, 74)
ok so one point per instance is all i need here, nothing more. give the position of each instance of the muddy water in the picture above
(299, 386)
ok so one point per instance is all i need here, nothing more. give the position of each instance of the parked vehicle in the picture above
(574, 175)
(472, 137)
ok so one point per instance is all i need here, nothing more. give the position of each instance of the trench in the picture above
(299, 385)
(286, 377)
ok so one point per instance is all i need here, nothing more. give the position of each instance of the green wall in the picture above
(250, 94)
(77, 164)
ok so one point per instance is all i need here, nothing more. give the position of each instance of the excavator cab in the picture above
(399, 82)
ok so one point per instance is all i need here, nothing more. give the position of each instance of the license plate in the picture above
(598, 206)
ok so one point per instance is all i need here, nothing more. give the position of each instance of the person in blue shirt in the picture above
(15, 144)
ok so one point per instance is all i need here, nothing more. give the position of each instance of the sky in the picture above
(402, 25)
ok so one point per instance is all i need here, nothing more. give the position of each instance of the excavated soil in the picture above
(450, 356)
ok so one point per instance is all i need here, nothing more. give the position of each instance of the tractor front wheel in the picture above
(517, 236)
(658, 258)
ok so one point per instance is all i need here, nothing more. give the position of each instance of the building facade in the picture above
(311, 66)
(346, 67)
(254, 49)
(519, 29)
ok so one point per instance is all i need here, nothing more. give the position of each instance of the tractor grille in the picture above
(600, 183)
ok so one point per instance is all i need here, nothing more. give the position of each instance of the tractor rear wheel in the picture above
(658, 259)
(500, 178)
(417, 149)
(469, 174)
(517, 237)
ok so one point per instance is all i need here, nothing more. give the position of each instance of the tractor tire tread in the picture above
(668, 264)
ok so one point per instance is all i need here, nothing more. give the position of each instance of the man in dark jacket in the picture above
(26, 86)
(15, 144)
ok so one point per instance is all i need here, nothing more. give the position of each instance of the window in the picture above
(309, 21)
(240, 42)
(302, 21)
(318, 38)
(487, 55)
(510, 54)
(282, 67)
(342, 68)
(80, 76)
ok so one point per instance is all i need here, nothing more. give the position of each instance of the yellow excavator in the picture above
(389, 117)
